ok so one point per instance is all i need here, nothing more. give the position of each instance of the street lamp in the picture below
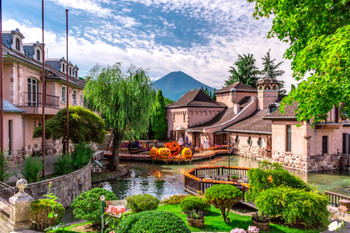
(102, 198)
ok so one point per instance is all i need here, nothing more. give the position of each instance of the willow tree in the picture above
(318, 33)
(124, 100)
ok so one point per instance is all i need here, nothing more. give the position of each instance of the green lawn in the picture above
(214, 222)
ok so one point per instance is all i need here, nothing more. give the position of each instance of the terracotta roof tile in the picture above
(289, 113)
(240, 87)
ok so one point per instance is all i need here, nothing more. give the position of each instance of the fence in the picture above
(198, 180)
(6, 192)
(333, 198)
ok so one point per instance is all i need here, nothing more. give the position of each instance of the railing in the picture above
(6, 192)
(198, 180)
(334, 198)
(34, 99)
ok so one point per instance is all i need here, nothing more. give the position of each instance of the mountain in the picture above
(176, 84)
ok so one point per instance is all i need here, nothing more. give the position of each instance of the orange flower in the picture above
(270, 179)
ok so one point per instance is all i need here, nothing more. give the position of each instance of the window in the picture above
(18, 44)
(10, 136)
(324, 144)
(237, 140)
(38, 55)
(63, 94)
(70, 71)
(259, 142)
(184, 117)
(81, 100)
(272, 108)
(288, 138)
(76, 74)
(32, 94)
(74, 97)
(63, 68)
(249, 141)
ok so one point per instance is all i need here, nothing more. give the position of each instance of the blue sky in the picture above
(199, 37)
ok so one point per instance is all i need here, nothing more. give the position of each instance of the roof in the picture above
(289, 113)
(9, 107)
(239, 87)
(222, 117)
(57, 74)
(196, 98)
(254, 123)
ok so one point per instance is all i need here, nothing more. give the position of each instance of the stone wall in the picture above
(290, 160)
(254, 152)
(66, 187)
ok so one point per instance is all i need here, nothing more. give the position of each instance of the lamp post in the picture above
(102, 198)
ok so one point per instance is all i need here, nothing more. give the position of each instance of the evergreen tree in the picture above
(209, 93)
(270, 70)
(159, 122)
(244, 71)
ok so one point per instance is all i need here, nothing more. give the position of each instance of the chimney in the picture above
(267, 92)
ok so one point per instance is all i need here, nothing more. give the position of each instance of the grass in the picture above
(215, 223)
(68, 229)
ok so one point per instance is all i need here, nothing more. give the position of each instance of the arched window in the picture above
(38, 55)
(259, 142)
(18, 44)
(63, 68)
(249, 141)
(267, 87)
(275, 87)
(272, 108)
(237, 140)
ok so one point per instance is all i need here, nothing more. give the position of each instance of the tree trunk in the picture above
(64, 144)
(113, 165)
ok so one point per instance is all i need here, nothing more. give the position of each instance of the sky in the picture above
(199, 37)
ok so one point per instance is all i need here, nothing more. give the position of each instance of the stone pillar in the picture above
(20, 208)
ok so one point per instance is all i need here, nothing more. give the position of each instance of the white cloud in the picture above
(91, 6)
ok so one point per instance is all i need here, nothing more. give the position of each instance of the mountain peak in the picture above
(177, 83)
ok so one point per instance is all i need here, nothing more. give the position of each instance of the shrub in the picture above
(81, 155)
(175, 199)
(142, 202)
(153, 222)
(63, 165)
(40, 210)
(31, 170)
(87, 206)
(223, 197)
(4, 175)
(271, 176)
(194, 203)
(294, 205)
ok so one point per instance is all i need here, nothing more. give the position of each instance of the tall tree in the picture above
(124, 100)
(271, 70)
(84, 126)
(159, 122)
(319, 36)
(244, 71)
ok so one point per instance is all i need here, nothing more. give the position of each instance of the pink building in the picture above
(246, 118)
(23, 93)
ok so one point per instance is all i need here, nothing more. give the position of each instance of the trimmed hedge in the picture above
(294, 205)
(271, 176)
(142, 202)
(39, 211)
(194, 203)
(87, 206)
(153, 222)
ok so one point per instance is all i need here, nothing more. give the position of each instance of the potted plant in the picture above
(195, 218)
(234, 178)
(261, 221)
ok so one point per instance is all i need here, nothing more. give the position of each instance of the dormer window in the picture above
(38, 55)
(272, 108)
(76, 74)
(63, 68)
(18, 44)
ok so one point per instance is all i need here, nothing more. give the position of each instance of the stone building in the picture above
(22, 67)
(249, 119)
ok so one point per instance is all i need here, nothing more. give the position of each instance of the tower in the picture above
(267, 92)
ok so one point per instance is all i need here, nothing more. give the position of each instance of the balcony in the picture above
(31, 102)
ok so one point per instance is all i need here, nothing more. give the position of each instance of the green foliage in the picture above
(87, 206)
(158, 119)
(271, 176)
(209, 93)
(318, 35)
(294, 205)
(223, 197)
(124, 100)
(194, 203)
(81, 155)
(142, 202)
(168, 101)
(31, 170)
(175, 199)
(153, 222)
(63, 165)
(4, 175)
(244, 70)
(40, 213)
(84, 126)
